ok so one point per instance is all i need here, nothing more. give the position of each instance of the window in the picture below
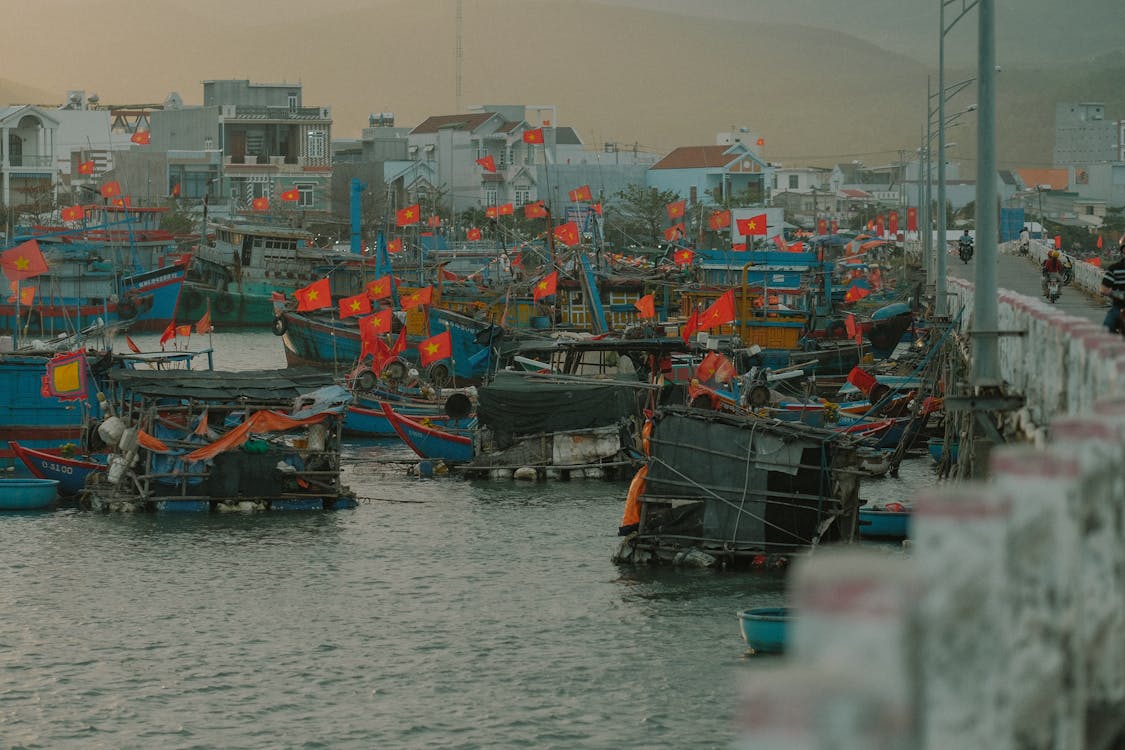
(490, 197)
(292, 101)
(505, 157)
(522, 196)
(794, 181)
(306, 197)
(317, 142)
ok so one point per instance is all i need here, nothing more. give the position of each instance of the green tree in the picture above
(182, 218)
(642, 211)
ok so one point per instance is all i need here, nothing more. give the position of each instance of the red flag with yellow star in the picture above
(676, 210)
(404, 217)
(23, 261)
(683, 257)
(141, 137)
(380, 288)
(535, 135)
(718, 220)
(567, 233)
(395, 245)
(720, 312)
(314, 296)
(359, 304)
(753, 225)
(472, 234)
(674, 232)
(86, 167)
(418, 297)
(581, 194)
(546, 286)
(375, 323)
(487, 163)
(535, 210)
(435, 348)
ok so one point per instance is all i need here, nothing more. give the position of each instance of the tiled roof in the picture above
(855, 193)
(1056, 178)
(695, 157)
(469, 122)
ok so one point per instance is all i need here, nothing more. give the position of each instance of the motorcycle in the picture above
(1053, 288)
(1067, 272)
(1024, 248)
(965, 251)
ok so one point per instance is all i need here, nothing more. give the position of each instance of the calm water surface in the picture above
(440, 613)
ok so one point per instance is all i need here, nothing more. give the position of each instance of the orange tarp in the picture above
(262, 421)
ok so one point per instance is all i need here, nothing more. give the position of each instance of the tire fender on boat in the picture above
(281, 325)
(224, 303)
(365, 380)
(191, 298)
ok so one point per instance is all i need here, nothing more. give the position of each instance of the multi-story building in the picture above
(247, 141)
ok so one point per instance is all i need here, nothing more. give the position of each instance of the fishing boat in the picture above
(238, 268)
(765, 629)
(579, 410)
(69, 471)
(722, 489)
(203, 440)
(320, 339)
(366, 418)
(453, 445)
(28, 494)
(889, 522)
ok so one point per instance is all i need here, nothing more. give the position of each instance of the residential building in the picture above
(1083, 136)
(256, 140)
(27, 156)
(711, 174)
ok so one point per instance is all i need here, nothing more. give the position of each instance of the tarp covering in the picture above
(745, 475)
(260, 421)
(524, 405)
(214, 385)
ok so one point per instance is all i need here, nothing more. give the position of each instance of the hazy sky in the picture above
(816, 78)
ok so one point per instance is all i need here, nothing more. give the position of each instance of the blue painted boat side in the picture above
(765, 629)
(28, 494)
(884, 524)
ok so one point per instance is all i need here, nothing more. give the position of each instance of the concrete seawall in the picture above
(1003, 626)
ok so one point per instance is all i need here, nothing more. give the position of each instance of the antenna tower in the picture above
(457, 55)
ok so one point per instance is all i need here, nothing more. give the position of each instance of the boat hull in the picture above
(765, 629)
(431, 443)
(69, 472)
(884, 524)
(28, 494)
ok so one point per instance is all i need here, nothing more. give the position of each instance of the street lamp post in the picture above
(966, 6)
(985, 339)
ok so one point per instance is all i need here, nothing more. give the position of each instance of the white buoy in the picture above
(595, 472)
(554, 474)
(498, 474)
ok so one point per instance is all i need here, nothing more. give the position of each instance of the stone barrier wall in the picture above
(1003, 624)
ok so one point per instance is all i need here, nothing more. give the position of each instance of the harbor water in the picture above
(439, 613)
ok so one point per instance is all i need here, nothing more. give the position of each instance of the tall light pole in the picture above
(966, 6)
(986, 349)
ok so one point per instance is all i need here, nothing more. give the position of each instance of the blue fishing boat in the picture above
(937, 449)
(29, 417)
(69, 471)
(28, 494)
(891, 522)
(322, 340)
(765, 629)
(451, 446)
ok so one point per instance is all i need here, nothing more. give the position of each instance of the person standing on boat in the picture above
(1113, 286)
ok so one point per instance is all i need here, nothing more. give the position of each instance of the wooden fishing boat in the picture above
(69, 471)
(200, 440)
(28, 494)
(453, 446)
(726, 488)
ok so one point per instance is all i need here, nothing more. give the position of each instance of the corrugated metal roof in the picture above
(1058, 179)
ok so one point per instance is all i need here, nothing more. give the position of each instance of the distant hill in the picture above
(657, 79)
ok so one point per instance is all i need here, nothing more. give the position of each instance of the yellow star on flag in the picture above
(431, 348)
(22, 263)
(376, 321)
(409, 214)
(753, 224)
(312, 295)
(355, 305)
(542, 284)
(377, 289)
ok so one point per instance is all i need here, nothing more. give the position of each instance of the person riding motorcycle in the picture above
(1113, 286)
(1052, 265)
(965, 246)
(1025, 241)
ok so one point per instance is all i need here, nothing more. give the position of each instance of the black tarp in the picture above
(517, 404)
